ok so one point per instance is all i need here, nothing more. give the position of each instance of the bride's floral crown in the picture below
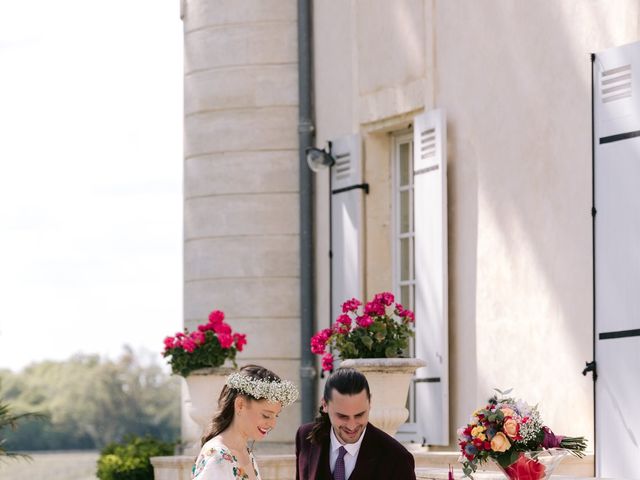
(273, 391)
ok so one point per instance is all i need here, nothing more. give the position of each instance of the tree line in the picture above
(90, 401)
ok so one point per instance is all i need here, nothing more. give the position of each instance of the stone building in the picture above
(499, 261)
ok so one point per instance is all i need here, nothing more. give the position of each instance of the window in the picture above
(403, 248)
(404, 276)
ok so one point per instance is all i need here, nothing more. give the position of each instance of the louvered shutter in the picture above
(346, 222)
(616, 81)
(431, 299)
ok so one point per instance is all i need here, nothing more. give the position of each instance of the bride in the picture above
(249, 405)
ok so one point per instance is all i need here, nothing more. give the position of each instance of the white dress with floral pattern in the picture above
(216, 462)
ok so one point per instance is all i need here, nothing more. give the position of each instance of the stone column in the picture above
(241, 178)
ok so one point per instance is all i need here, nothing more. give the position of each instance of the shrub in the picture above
(129, 460)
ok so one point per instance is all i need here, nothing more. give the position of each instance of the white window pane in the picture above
(404, 164)
(405, 270)
(405, 212)
(404, 296)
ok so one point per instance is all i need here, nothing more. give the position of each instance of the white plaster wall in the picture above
(514, 78)
(335, 100)
(241, 242)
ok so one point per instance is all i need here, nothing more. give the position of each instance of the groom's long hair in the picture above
(347, 381)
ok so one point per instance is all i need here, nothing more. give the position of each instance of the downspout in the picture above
(305, 139)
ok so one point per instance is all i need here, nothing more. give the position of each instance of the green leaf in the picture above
(507, 458)
(367, 341)
(390, 352)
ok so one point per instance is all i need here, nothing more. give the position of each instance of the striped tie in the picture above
(338, 471)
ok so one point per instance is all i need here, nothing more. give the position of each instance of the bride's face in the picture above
(257, 418)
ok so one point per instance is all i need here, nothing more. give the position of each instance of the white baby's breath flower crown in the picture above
(273, 391)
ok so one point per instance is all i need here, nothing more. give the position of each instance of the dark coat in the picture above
(380, 457)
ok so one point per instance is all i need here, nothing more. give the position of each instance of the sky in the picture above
(90, 177)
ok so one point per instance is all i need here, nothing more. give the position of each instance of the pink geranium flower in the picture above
(188, 344)
(364, 321)
(169, 342)
(351, 305)
(367, 331)
(198, 337)
(327, 362)
(374, 308)
(216, 317)
(385, 298)
(208, 345)
(319, 341)
(222, 328)
(240, 340)
(225, 339)
(343, 324)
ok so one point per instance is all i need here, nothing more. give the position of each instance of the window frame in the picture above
(408, 432)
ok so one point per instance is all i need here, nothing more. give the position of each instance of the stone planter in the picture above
(389, 380)
(201, 402)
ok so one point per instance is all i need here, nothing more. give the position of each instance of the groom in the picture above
(342, 445)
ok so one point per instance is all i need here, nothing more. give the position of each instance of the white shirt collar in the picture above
(351, 448)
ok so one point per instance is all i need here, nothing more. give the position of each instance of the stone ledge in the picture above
(178, 467)
(443, 474)
(572, 466)
(429, 466)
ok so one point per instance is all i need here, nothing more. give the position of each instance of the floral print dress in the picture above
(216, 462)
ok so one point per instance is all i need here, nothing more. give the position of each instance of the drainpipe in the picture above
(305, 139)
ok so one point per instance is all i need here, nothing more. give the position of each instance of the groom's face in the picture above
(348, 414)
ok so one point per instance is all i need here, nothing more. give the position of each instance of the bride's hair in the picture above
(226, 403)
(346, 381)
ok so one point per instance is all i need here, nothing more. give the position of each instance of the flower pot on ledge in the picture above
(389, 380)
(203, 390)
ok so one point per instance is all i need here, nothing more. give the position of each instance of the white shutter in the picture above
(431, 297)
(616, 81)
(346, 222)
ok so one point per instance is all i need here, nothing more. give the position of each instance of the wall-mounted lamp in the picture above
(319, 159)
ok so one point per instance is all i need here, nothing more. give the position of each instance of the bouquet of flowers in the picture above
(210, 345)
(380, 329)
(503, 430)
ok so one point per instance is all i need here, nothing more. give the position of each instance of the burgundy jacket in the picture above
(381, 457)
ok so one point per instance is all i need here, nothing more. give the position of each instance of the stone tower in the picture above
(241, 234)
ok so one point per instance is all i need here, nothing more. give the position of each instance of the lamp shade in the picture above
(318, 159)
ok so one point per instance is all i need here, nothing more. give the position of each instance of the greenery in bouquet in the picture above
(210, 345)
(379, 329)
(505, 428)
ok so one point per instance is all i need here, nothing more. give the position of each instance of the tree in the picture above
(10, 420)
(92, 401)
